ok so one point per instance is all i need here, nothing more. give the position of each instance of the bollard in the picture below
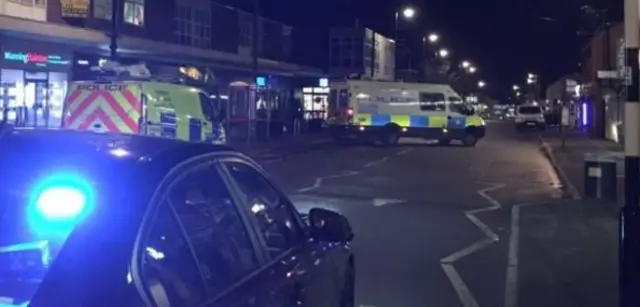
(600, 176)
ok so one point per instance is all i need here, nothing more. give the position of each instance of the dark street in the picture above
(435, 226)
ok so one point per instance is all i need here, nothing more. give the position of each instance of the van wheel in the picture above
(390, 136)
(469, 140)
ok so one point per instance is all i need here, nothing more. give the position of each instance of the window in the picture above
(167, 262)
(274, 215)
(207, 106)
(529, 110)
(193, 26)
(102, 9)
(213, 226)
(432, 102)
(134, 12)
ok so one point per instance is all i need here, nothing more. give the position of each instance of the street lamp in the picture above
(408, 12)
(516, 87)
(433, 38)
(443, 53)
(472, 69)
(465, 64)
(481, 84)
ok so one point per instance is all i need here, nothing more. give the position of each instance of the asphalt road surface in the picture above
(435, 226)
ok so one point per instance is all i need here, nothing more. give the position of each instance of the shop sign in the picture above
(39, 59)
(75, 8)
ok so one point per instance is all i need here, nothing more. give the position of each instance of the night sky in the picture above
(504, 38)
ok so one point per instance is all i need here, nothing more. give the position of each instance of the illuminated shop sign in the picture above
(39, 59)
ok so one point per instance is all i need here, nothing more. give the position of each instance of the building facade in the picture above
(361, 53)
(175, 38)
(602, 93)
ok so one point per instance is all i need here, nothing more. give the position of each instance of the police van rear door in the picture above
(103, 106)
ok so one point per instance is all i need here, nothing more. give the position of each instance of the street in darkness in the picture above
(434, 225)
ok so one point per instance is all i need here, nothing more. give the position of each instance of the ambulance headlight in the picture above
(59, 202)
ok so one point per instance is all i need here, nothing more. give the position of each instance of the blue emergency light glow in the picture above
(261, 81)
(59, 202)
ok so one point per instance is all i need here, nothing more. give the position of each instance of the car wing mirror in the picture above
(327, 225)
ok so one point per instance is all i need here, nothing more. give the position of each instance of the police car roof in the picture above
(105, 147)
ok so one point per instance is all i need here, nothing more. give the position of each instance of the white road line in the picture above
(319, 180)
(466, 298)
(376, 162)
(447, 263)
(404, 151)
(466, 251)
(511, 283)
(483, 227)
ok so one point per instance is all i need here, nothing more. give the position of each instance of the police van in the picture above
(140, 105)
(387, 111)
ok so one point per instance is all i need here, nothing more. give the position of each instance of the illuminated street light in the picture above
(472, 69)
(517, 94)
(530, 81)
(515, 87)
(531, 76)
(443, 53)
(481, 84)
(408, 13)
(465, 64)
(433, 38)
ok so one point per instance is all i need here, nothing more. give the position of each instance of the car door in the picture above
(298, 270)
(196, 247)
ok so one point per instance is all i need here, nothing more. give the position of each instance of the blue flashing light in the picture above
(61, 202)
(58, 203)
(261, 81)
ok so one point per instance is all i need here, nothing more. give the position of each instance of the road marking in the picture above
(376, 162)
(465, 296)
(405, 151)
(447, 263)
(379, 202)
(511, 280)
(319, 180)
(478, 245)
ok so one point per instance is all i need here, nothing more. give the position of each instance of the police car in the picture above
(99, 219)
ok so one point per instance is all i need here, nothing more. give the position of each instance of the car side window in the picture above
(168, 267)
(217, 234)
(432, 102)
(275, 216)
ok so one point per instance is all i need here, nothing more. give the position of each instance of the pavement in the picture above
(456, 226)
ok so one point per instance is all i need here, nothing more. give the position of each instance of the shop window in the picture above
(102, 9)
(57, 93)
(134, 12)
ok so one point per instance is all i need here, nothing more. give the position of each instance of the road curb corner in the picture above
(568, 186)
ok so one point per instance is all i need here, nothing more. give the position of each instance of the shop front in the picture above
(33, 83)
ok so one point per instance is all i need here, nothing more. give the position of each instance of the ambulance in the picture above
(136, 104)
(384, 112)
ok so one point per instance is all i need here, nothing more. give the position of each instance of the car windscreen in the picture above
(529, 110)
(47, 192)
